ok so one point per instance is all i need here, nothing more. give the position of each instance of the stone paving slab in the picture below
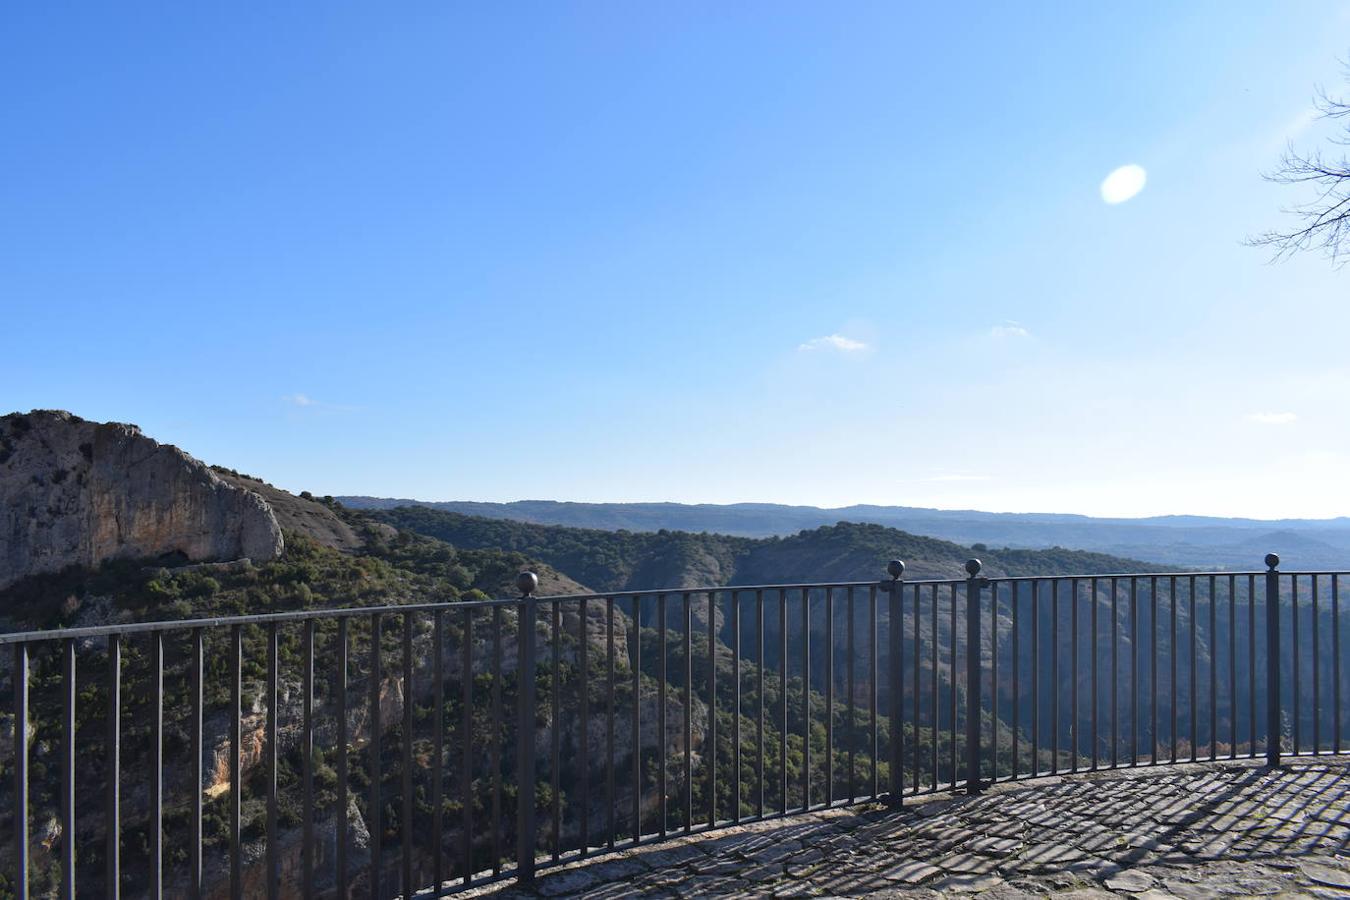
(1226, 829)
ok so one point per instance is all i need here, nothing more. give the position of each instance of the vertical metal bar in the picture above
(782, 696)
(1115, 674)
(933, 646)
(407, 834)
(759, 698)
(307, 761)
(609, 723)
(918, 658)
(20, 678)
(712, 709)
(895, 628)
(236, 781)
(806, 699)
(1054, 676)
(1092, 653)
(872, 691)
(1035, 678)
(736, 706)
(555, 728)
(1074, 724)
(662, 748)
(1016, 673)
(495, 741)
(951, 599)
(688, 713)
(1232, 668)
(525, 794)
(850, 687)
(156, 873)
(375, 821)
(1214, 671)
(1336, 662)
(1153, 664)
(973, 678)
(1272, 660)
(1294, 640)
(583, 756)
(993, 679)
(1251, 665)
(1172, 653)
(1134, 671)
(273, 858)
(438, 750)
(527, 619)
(637, 718)
(829, 696)
(340, 817)
(1195, 722)
(68, 695)
(1316, 673)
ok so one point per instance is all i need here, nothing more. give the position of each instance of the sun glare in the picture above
(1123, 183)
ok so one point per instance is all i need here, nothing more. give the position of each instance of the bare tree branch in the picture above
(1323, 222)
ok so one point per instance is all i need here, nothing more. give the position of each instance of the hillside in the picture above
(105, 525)
(623, 560)
(390, 568)
(1204, 542)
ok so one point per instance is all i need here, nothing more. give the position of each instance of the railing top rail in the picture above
(1224, 573)
(302, 615)
(398, 609)
(1100, 576)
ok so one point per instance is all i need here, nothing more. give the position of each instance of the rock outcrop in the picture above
(79, 493)
(298, 514)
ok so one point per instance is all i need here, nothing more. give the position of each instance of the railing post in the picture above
(1273, 716)
(974, 584)
(20, 678)
(896, 569)
(528, 612)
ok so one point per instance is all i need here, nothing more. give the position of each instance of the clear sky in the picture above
(803, 253)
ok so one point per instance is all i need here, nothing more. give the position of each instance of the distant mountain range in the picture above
(634, 561)
(1190, 541)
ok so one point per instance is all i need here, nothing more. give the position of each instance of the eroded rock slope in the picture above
(74, 492)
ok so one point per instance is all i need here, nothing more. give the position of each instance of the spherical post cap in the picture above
(895, 568)
(1272, 560)
(973, 567)
(527, 582)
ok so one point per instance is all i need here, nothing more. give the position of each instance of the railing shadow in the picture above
(1090, 827)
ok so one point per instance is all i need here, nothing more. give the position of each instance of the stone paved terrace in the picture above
(1195, 831)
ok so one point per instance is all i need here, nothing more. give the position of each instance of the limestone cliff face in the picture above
(74, 492)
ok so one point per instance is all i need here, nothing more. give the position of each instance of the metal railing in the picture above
(379, 751)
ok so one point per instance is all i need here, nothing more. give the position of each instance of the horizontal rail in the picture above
(14, 637)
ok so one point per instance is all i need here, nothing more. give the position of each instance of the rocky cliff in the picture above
(79, 493)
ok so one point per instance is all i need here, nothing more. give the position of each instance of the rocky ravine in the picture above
(79, 493)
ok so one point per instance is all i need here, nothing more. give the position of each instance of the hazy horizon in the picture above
(945, 509)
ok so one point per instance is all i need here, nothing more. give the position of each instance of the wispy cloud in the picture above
(1272, 418)
(1009, 330)
(1298, 124)
(304, 401)
(834, 342)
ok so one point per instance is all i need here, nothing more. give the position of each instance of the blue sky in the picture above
(804, 253)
